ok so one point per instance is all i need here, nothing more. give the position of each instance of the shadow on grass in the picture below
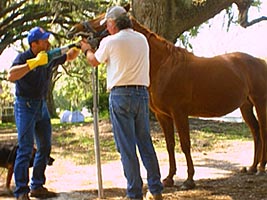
(234, 187)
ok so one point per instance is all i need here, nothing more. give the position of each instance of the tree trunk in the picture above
(50, 98)
(170, 18)
(51, 103)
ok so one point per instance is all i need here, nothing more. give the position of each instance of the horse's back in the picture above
(211, 87)
(255, 70)
(230, 79)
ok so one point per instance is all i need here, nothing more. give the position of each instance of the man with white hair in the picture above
(126, 53)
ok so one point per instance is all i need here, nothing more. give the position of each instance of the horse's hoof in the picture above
(188, 185)
(252, 171)
(243, 170)
(168, 182)
(261, 173)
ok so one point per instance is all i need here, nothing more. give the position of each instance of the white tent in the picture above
(71, 117)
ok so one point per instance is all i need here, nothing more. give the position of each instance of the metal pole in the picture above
(96, 132)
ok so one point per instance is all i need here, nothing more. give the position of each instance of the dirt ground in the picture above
(217, 176)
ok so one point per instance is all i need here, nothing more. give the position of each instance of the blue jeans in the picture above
(33, 125)
(129, 115)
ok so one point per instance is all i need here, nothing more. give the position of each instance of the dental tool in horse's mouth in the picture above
(83, 34)
(77, 45)
(90, 37)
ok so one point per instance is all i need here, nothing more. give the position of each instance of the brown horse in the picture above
(184, 85)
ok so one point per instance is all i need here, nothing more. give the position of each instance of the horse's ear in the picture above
(127, 7)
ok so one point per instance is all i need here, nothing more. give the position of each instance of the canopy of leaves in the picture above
(56, 16)
(17, 17)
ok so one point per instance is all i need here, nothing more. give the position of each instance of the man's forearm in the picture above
(90, 56)
(17, 72)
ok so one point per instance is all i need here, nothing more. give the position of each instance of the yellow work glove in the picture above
(40, 59)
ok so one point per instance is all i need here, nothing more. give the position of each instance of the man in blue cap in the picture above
(31, 71)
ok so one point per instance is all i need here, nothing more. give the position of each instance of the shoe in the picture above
(23, 197)
(128, 198)
(150, 196)
(42, 192)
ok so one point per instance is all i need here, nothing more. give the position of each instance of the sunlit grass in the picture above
(7, 125)
(206, 134)
(80, 146)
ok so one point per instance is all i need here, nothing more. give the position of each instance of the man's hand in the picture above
(89, 53)
(40, 59)
(85, 46)
(72, 53)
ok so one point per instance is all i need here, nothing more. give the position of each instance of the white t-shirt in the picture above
(127, 56)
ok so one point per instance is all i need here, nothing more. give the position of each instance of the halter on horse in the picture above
(93, 37)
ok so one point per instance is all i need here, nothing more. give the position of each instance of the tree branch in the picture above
(9, 9)
(76, 75)
(243, 7)
(246, 24)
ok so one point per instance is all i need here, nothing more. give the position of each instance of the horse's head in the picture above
(87, 28)
(92, 29)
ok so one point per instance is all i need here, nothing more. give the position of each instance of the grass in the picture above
(76, 140)
(205, 135)
(8, 125)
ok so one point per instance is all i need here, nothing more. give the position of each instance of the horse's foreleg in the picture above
(250, 119)
(182, 125)
(168, 130)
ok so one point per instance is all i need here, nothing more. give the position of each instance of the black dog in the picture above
(8, 154)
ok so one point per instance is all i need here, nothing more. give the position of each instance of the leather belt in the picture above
(130, 86)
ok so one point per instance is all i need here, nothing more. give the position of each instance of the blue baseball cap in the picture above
(37, 33)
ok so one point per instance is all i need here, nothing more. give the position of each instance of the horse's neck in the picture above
(161, 50)
(149, 34)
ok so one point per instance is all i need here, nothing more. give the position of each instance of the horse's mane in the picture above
(148, 33)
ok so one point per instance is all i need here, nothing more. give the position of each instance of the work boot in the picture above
(150, 196)
(42, 192)
(23, 197)
(128, 198)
